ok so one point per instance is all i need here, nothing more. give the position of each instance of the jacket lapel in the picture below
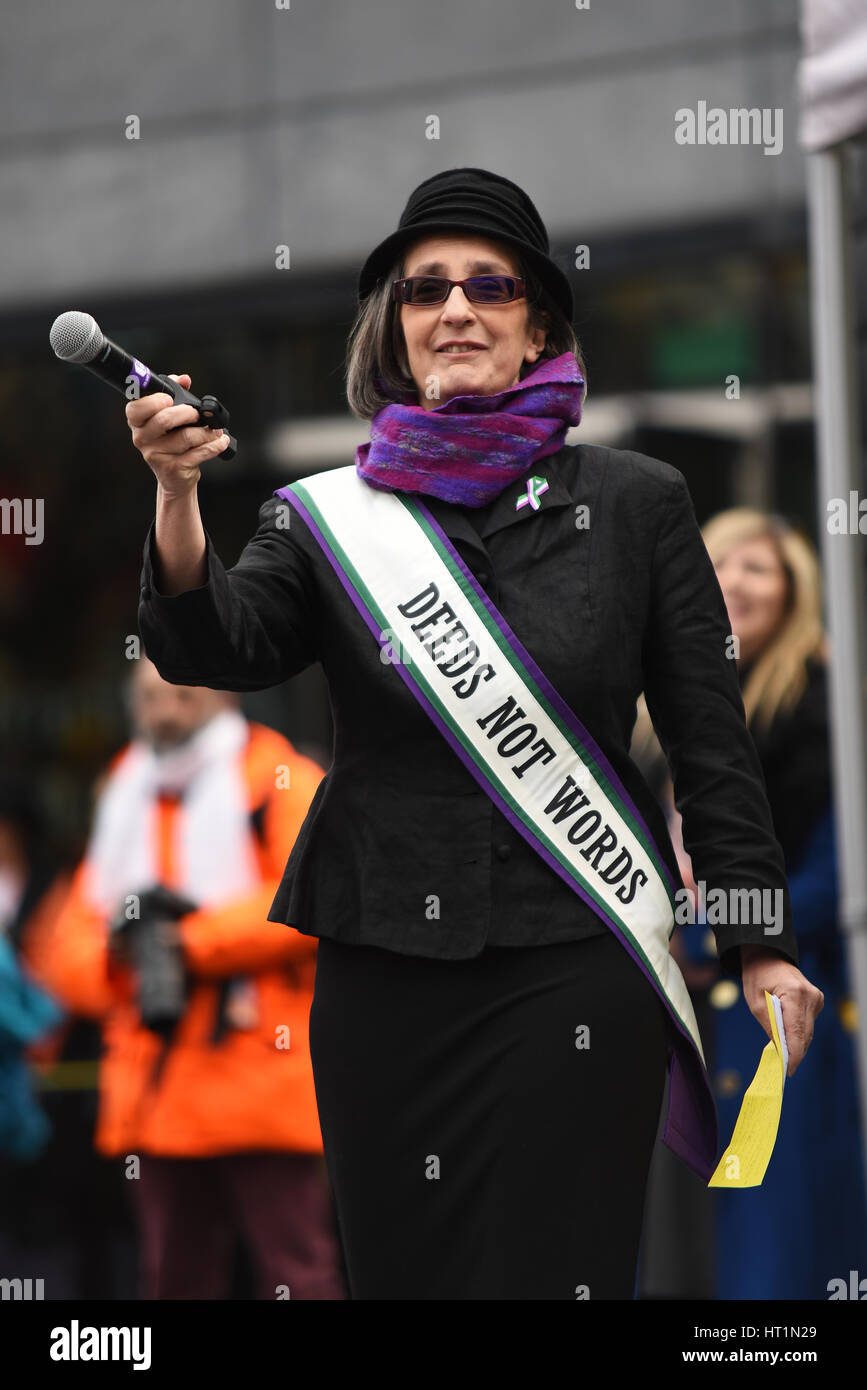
(473, 525)
(537, 491)
(455, 521)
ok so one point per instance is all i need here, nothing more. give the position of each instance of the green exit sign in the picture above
(694, 354)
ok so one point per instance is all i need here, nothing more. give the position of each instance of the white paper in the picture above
(778, 1010)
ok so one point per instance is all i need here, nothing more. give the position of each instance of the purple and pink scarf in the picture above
(470, 448)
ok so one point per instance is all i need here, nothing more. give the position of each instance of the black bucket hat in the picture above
(479, 202)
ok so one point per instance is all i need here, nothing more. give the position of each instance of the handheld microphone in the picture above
(76, 337)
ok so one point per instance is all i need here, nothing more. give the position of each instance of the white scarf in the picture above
(216, 853)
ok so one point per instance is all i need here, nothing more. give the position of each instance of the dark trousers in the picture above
(191, 1212)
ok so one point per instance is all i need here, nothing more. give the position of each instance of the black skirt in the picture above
(488, 1124)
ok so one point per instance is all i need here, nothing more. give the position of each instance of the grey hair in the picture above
(377, 371)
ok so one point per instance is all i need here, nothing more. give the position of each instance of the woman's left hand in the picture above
(800, 1001)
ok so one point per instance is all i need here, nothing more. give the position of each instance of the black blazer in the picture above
(401, 848)
(795, 754)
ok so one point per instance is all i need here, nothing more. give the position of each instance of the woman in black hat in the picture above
(491, 1028)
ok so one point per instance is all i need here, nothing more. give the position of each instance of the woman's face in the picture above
(499, 333)
(754, 587)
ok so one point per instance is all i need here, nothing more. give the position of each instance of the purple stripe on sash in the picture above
(691, 1127)
(568, 716)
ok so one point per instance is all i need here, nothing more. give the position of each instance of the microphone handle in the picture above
(116, 368)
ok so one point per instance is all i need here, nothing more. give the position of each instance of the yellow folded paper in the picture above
(746, 1159)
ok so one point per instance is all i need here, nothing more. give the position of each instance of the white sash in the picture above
(517, 737)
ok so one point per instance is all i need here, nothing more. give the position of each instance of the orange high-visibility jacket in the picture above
(249, 1090)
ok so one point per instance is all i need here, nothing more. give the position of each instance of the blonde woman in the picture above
(770, 579)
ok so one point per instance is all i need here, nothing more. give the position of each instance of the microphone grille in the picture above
(76, 337)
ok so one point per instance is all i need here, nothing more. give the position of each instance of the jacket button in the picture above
(483, 576)
(503, 851)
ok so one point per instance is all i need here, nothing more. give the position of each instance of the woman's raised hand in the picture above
(174, 455)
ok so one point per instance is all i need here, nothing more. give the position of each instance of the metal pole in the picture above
(833, 294)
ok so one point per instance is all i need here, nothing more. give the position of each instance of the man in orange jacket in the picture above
(206, 1086)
